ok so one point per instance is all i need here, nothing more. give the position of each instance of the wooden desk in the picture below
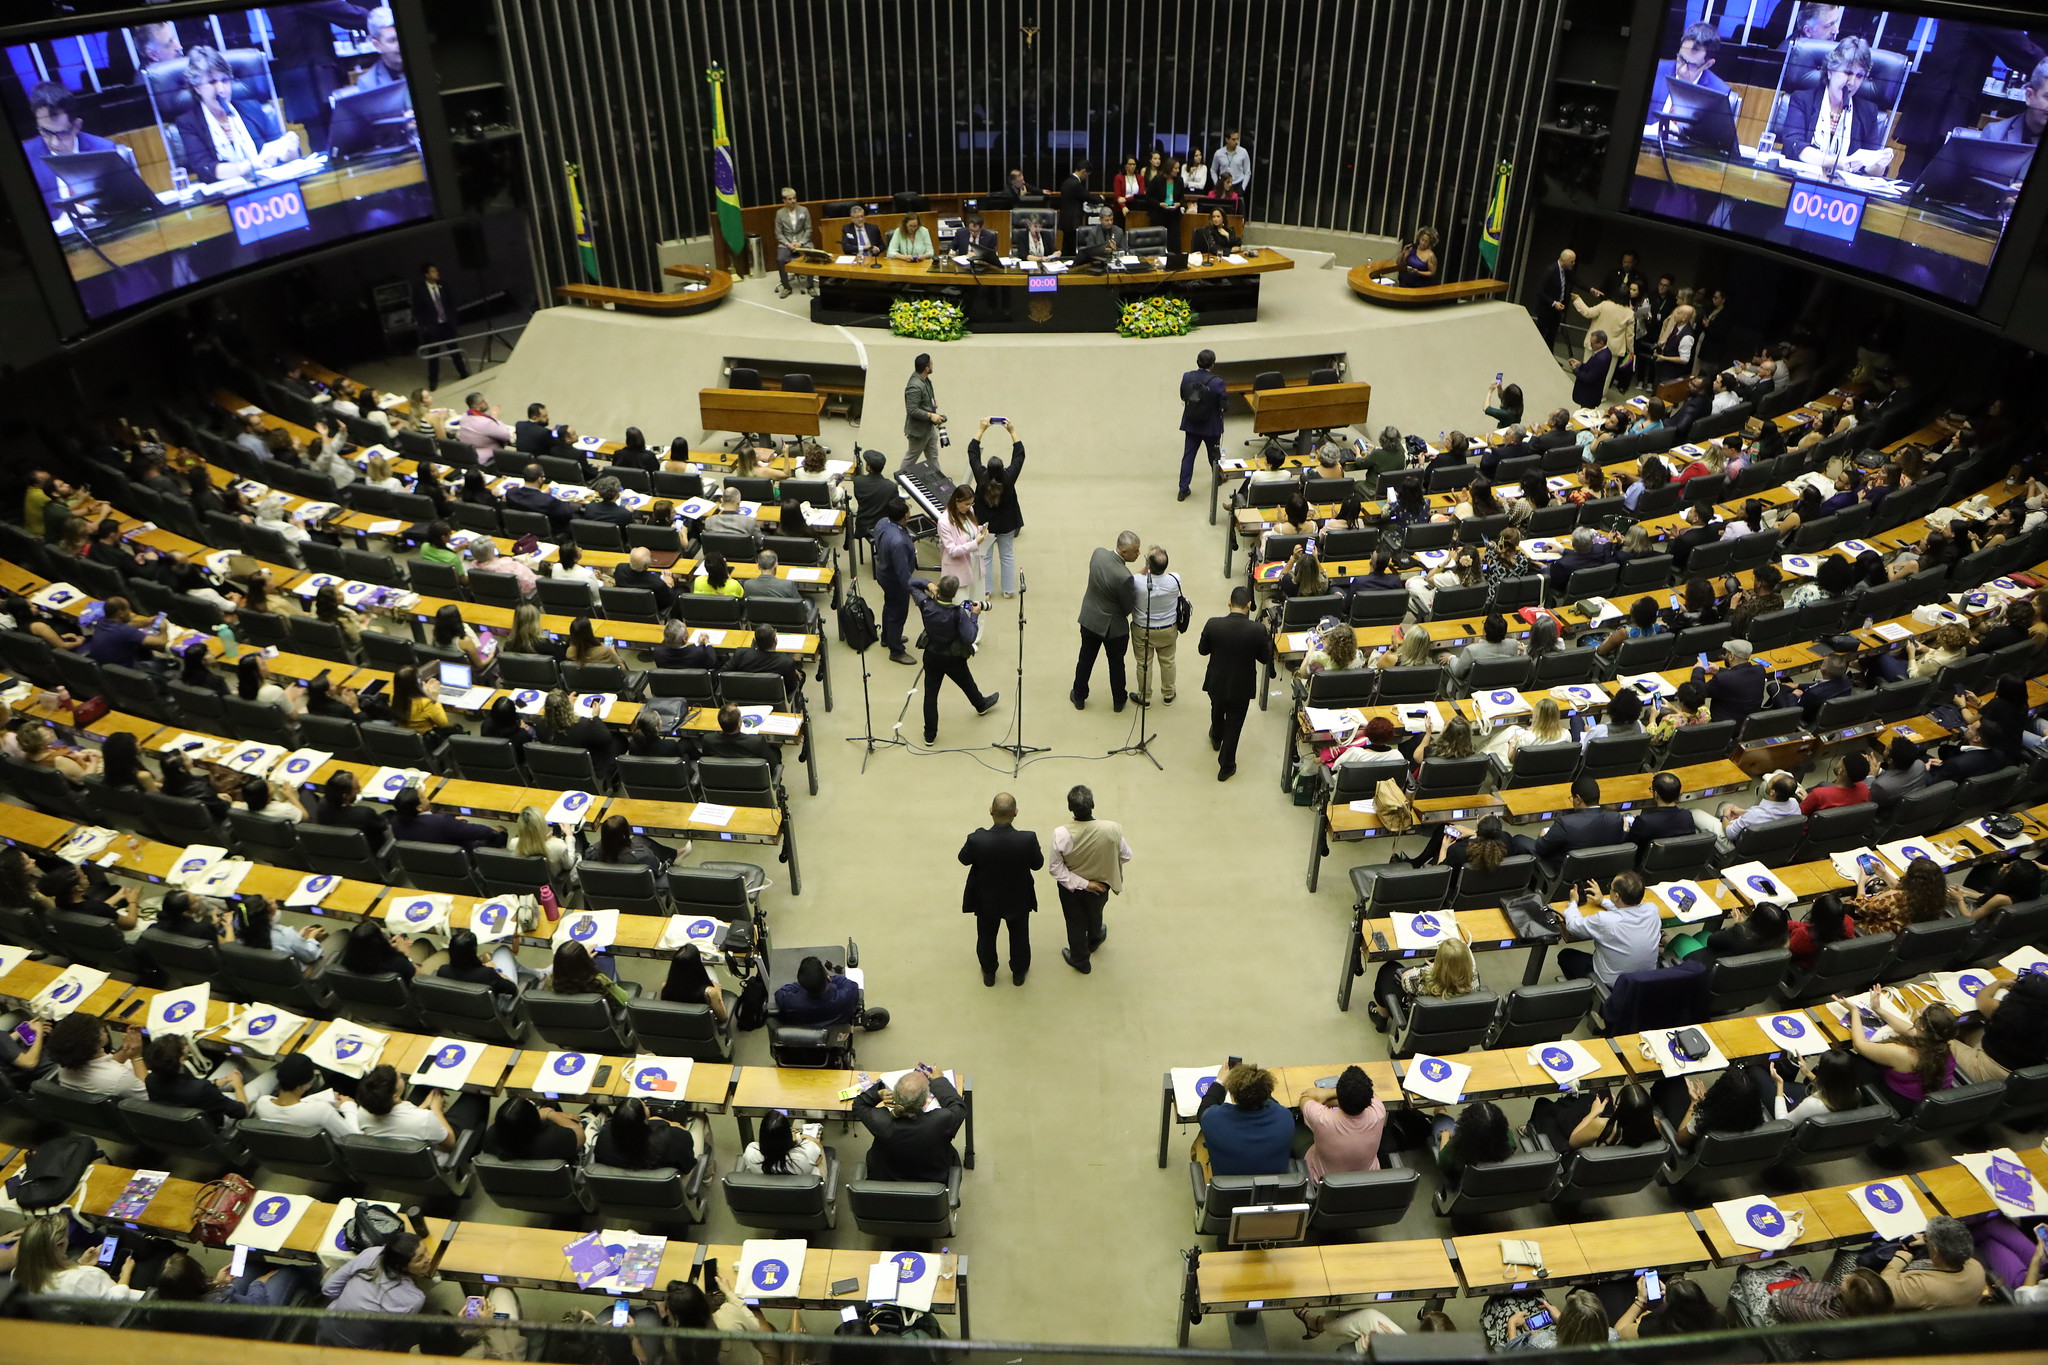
(718, 284)
(814, 1094)
(1524, 804)
(770, 410)
(1481, 1268)
(1306, 1276)
(1310, 407)
(709, 1081)
(30, 979)
(1366, 283)
(1620, 1246)
(1814, 1235)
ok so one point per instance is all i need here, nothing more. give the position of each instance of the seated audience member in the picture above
(1585, 825)
(1848, 789)
(1684, 1310)
(1833, 683)
(1492, 646)
(577, 971)
(1735, 686)
(1504, 1319)
(416, 705)
(1780, 802)
(532, 495)
(465, 963)
(526, 1131)
(1245, 1129)
(1953, 1277)
(383, 1113)
(168, 1082)
(75, 891)
(1346, 1124)
(1920, 1060)
(1448, 975)
(1830, 1083)
(561, 724)
(909, 1140)
(1622, 1117)
(43, 1264)
(820, 997)
(2014, 1031)
(391, 1279)
(77, 1045)
(370, 951)
(1480, 1134)
(636, 1140)
(1696, 1105)
(618, 843)
(413, 820)
(1626, 931)
(1746, 929)
(1827, 921)
(780, 1150)
(763, 657)
(1663, 818)
(638, 572)
(1921, 893)
(338, 806)
(689, 982)
(303, 1102)
(732, 741)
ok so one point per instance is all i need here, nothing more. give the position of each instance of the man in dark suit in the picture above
(1664, 819)
(1514, 447)
(860, 237)
(532, 496)
(1553, 295)
(639, 572)
(59, 132)
(761, 657)
(433, 314)
(1834, 682)
(1237, 647)
(1000, 888)
(732, 741)
(1103, 229)
(607, 509)
(338, 806)
(1073, 206)
(1704, 529)
(414, 821)
(1585, 825)
(1985, 749)
(1202, 396)
(910, 1141)
(1589, 376)
(1699, 401)
(972, 236)
(1590, 549)
(1734, 686)
(872, 493)
(533, 436)
(1622, 276)
(1556, 434)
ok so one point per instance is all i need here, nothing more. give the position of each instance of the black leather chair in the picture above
(409, 1166)
(668, 1028)
(466, 1009)
(912, 1209)
(285, 1150)
(664, 1195)
(1843, 967)
(785, 1203)
(83, 1111)
(550, 1188)
(1842, 1133)
(182, 1132)
(1723, 1156)
(380, 998)
(1495, 1186)
(1603, 1172)
(1542, 1013)
(579, 1023)
(1437, 1027)
(271, 977)
(1352, 1201)
(1734, 984)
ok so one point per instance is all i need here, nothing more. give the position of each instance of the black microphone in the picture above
(1020, 580)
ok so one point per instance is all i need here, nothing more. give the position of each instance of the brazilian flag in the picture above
(1496, 217)
(725, 174)
(586, 244)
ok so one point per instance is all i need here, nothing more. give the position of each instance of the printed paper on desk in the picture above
(529, 700)
(845, 260)
(311, 891)
(1901, 852)
(709, 813)
(597, 704)
(1891, 1207)
(1658, 1041)
(805, 575)
(696, 507)
(1845, 864)
(771, 1269)
(255, 759)
(1755, 883)
(1648, 685)
(1431, 559)
(85, 843)
(818, 516)
(348, 1048)
(2021, 961)
(1500, 703)
(1565, 1060)
(197, 748)
(420, 912)
(11, 957)
(1891, 630)
(181, 1011)
(272, 1216)
(194, 863)
(1852, 548)
(1805, 566)
(1190, 1083)
(1578, 695)
(752, 716)
(882, 1282)
(1960, 988)
(1422, 715)
(58, 596)
(309, 586)
(659, 1080)
(333, 1243)
(223, 879)
(1236, 259)
(566, 1073)
(66, 993)
(449, 1062)
(1688, 902)
(782, 725)
(494, 919)
(1324, 721)
(788, 644)
(594, 929)
(1978, 828)
(1435, 1079)
(571, 809)
(701, 930)
(386, 783)
(1754, 1221)
(2006, 1179)
(1794, 1033)
(916, 1274)
(1425, 930)
(300, 764)
(264, 1028)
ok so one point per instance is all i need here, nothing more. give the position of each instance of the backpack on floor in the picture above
(752, 1012)
(857, 624)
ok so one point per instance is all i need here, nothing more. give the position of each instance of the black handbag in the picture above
(1689, 1044)
(1533, 918)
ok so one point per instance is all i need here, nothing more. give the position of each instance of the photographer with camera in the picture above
(950, 629)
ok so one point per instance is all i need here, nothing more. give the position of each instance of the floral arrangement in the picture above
(927, 319)
(1159, 316)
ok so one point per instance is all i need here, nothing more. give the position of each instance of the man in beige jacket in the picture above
(1613, 317)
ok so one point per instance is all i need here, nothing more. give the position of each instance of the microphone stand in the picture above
(1018, 750)
(1144, 744)
(867, 715)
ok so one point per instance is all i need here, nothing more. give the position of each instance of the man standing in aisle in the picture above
(1553, 294)
(921, 415)
(1088, 857)
(999, 862)
(1202, 397)
(1106, 606)
(433, 313)
(1235, 159)
(895, 566)
(1237, 647)
(1156, 631)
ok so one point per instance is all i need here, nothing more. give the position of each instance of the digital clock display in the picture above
(1823, 209)
(268, 212)
(1042, 284)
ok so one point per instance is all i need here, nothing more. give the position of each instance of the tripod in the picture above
(1142, 698)
(1018, 750)
(867, 715)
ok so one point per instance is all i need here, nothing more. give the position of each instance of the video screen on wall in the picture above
(174, 152)
(1877, 139)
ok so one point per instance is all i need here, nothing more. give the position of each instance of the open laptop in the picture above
(1700, 118)
(101, 186)
(1974, 174)
(455, 676)
(370, 121)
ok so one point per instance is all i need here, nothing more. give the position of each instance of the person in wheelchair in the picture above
(824, 997)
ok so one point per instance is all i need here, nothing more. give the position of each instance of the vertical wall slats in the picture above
(1367, 116)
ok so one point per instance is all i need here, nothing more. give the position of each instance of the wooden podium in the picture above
(1309, 407)
(769, 410)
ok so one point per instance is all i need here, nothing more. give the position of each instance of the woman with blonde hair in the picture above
(380, 474)
(1408, 648)
(1546, 726)
(533, 837)
(1448, 974)
(40, 747)
(44, 1264)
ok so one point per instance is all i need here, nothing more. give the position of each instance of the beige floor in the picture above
(1216, 947)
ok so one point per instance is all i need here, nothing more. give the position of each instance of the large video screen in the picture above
(174, 152)
(1878, 139)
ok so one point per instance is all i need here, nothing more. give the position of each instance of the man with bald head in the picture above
(1555, 295)
(639, 572)
(1106, 606)
(1000, 890)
